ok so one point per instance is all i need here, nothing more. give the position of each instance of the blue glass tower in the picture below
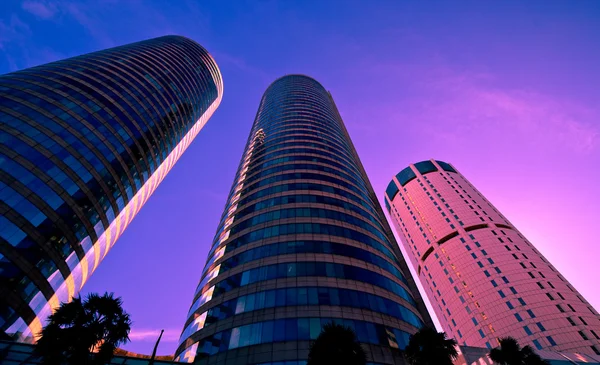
(302, 242)
(83, 144)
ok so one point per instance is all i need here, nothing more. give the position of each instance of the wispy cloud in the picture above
(473, 102)
(240, 64)
(84, 14)
(140, 334)
(44, 10)
(455, 106)
(13, 30)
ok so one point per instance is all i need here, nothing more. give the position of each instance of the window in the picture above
(474, 321)
(521, 301)
(571, 308)
(595, 335)
(509, 305)
(560, 308)
(537, 344)
(540, 285)
(571, 321)
(582, 320)
(518, 317)
(560, 295)
(527, 330)
(513, 290)
(550, 296)
(501, 294)
(540, 326)
(530, 312)
(551, 341)
(481, 334)
(582, 335)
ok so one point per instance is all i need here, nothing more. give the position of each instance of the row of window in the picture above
(308, 228)
(296, 247)
(358, 196)
(310, 163)
(305, 269)
(308, 198)
(268, 159)
(297, 329)
(307, 213)
(301, 296)
(293, 145)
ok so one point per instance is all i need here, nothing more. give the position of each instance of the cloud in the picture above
(473, 102)
(139, 334)
(240, 64)
(457, 107)
(40, 9)
(84, 15)
(14, 30)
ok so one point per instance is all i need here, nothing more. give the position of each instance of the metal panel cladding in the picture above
(302, 242)
(83, 144)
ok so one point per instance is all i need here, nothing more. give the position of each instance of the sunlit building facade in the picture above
(484, 279)
(302, 242)
(83, 144)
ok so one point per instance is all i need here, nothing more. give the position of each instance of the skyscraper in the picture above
(484, 279)
(83, 144)
(302, 242)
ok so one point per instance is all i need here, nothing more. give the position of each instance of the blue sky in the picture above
(507, 91)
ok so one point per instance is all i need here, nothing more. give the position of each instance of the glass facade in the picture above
(302, 242)
(83, 144)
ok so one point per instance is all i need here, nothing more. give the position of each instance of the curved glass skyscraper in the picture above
(83, 143)
(302, 242)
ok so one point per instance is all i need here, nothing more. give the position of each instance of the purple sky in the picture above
(507, 91)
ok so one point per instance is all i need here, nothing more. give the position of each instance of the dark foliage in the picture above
(510, 353)
(84, 332)
(336, 345)
(428, 347)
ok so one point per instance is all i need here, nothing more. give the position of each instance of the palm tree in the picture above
(428, 347)
(84, 332)
(336, 344)
(511, 353)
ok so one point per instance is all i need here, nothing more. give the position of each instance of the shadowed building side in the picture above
(302, 242)
(83, 144)
(484, 279)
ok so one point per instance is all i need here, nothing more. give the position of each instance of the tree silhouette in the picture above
(336, 344)
(84, 332)
(428, 347)
(510, 353)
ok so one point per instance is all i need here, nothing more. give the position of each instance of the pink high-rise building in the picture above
(484, 279)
